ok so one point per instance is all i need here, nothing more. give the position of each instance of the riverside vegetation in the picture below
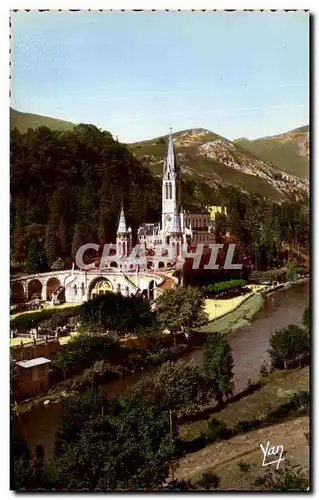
(132, 441)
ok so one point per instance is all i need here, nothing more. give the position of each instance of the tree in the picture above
(35, 258)
(181, 308)
(62, 234)
(51, 244)
(288, 345)
(19, 246)
(127, 447)
(114, 312)
(180, 387)
(218, 366)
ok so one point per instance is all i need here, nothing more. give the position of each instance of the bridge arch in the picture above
(35, 288)
(52, 285)
(99, 286)
(17, 292)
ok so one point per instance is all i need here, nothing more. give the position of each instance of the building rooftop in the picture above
(30, 363)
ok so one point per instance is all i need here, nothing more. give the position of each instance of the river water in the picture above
(249, 345)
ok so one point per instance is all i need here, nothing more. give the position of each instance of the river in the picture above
(249, 344)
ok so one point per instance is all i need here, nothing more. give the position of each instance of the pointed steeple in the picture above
(122, 223)
(170, 164)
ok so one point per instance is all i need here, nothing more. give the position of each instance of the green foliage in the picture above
(114, 312)
(127, 446)
(297, 405)
(218, 365)
(243, 466)
(36, 261)
(286, 478)
(244, 426)
(68, 183)
(209, 481)
(45, 317)
(217, 430)
(288, 344)
(81, 351)
(293, 271)
(224, 286)
(181, 308)
(180, 387)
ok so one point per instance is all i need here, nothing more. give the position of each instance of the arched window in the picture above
(166, 191)
(170, 190)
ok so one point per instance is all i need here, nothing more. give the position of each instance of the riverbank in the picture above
(239, 316)
(249, 346)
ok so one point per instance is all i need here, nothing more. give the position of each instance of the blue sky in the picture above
(136, 74)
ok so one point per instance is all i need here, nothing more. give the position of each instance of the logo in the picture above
(270, 453)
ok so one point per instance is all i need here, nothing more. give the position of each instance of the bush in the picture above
(48, 318)
(243, 466)
(299, 403)
(209, 481)
(217, 430)
(247, 425)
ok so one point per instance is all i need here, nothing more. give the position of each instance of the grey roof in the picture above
(29, 363)
(122, 223)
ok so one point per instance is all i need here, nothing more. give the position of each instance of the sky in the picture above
(136, 74)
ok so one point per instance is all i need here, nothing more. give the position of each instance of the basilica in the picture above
(176, 226)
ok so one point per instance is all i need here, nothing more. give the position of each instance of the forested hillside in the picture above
(67, 189)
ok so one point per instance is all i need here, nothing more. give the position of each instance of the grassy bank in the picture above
(237, 318)
(223, 457)
(278, 389)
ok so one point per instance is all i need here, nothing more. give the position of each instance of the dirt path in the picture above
(223, 457)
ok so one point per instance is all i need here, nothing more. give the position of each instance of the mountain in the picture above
(288, 151)
(207, 157)
(24, 121)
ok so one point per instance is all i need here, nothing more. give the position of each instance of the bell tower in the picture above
(124, 237)
(170, 188)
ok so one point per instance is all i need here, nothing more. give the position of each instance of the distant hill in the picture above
(288, 151)
(24, 121)
(207, 157)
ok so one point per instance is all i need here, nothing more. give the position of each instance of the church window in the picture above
(170, 190)
(166, 191)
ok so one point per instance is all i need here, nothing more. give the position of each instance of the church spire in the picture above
(170, 165)
(122, 223)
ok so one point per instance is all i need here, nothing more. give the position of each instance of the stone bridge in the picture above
(80, 286)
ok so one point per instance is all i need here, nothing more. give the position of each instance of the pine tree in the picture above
(63, 241)
(35, 258)
(51, 244)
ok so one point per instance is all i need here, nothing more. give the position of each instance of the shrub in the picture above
(247, 425)
(209, 481)
(48, 318)
(243, 466)
(298, 403)
(217, 430)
